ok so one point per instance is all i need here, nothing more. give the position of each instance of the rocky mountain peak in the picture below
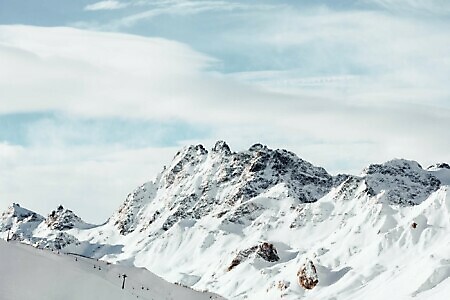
(221, 147)
(439, 166)
(190, 152)
(258, 147)
(222, 185)
(401, 181)
(17, 214)
(17, 222)
(188, 156)
(63, 219)
(393, 167)
(198, 183)
(306, 181)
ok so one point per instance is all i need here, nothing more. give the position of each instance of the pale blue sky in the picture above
(86, 114)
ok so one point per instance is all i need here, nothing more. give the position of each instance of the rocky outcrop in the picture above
(64, 219)
(222, 148)
(264, 250)
(57, 242)
(267, 252)
(307, 275)
(439, 166)
(401, 181)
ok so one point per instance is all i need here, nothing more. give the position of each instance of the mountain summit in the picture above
(221, 184)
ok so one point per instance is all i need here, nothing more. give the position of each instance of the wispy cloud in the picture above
(360, 53)
(106, 5)
(178, 8)
(435, 7)
(149, 10)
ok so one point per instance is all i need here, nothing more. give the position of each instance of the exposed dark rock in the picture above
(265, 251)
(439, 166)
(62, 219)
(339, 179)
(60, 241)
(404, 182)
(268, 252)
(257, 147)
(221, 147)
(307, 275)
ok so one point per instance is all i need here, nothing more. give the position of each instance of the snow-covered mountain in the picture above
(18, 222)
(263, 223)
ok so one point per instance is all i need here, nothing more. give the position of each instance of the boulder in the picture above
(307, 275)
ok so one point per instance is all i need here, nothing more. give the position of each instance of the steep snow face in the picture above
(401, 181)
(29, 273)
(129, 214)
(17, 222)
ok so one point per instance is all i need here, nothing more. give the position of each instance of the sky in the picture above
(96, 97)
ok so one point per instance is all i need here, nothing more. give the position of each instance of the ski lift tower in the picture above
(123, 282)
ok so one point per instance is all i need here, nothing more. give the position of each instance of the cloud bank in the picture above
(371, 88)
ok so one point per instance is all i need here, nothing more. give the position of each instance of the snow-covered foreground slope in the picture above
(252, 224)
(30, 273)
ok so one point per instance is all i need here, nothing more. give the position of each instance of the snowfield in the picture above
(29, 273)
(265, 224)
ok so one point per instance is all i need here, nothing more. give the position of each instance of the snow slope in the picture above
(30, 273)
(243, 224)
